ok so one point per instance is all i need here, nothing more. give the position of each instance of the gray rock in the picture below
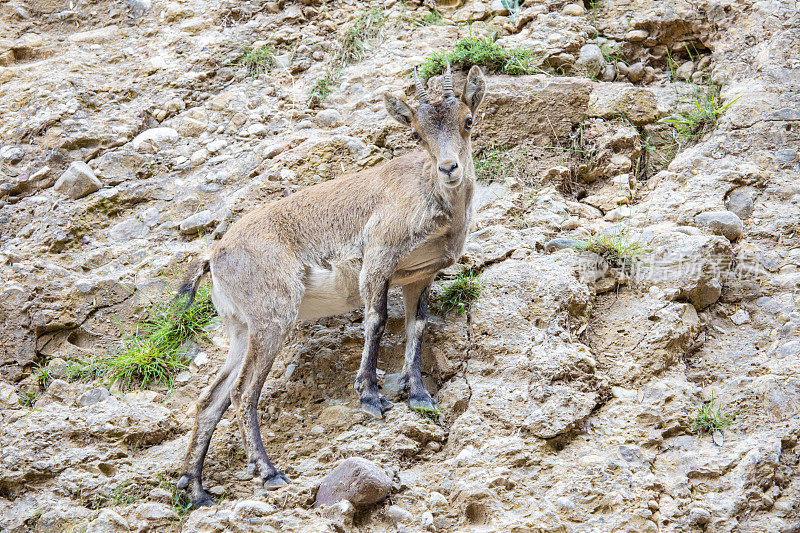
(357, 480)
(108, 521)
(12, 154)
(194, 223)
(591, 57)
(328, 117)
(636, 36)
(636, 72)
(392, 385)
(725, 223)
(685, 71)
(699, 516)
(8, 396)
(563, 243)
(128, 229)
(155, 513)
(397, 514)
(608, 73)
(156, 136)
(740, 317)
(92, 396)
(740, 202)
(78, 181)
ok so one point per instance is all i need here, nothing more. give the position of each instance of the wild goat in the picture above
(331, 248)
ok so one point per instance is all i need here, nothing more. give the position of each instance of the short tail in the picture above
(197, 269)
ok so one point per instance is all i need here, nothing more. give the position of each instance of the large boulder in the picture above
(357, 480)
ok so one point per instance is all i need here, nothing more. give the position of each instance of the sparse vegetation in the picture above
(460, 293)
(366, 27)
(259, 60)
(708, 418)
(181, 503)
(430, 414)
(42, 373)
(356, 39)
(495, 163)
(513, 8)
(483, 52)
(323, 88)
(617, 248)
(28, 398)
(154, 353)
(690, 125)
(432, 18)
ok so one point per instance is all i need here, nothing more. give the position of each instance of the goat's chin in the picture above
(452, 183)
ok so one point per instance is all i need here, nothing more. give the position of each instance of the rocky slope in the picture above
(132, 136)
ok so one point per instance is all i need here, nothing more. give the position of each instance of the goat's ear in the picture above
(398, 109)
(474, 88)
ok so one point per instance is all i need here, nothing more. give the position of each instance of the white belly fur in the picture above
(329, 292)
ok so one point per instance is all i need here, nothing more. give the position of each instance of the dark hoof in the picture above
(203, 501)
(376, 406)
(372, 407)
(421, 401)
(275, 482)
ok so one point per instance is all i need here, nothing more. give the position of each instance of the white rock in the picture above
(156, 136)
(127, 230)
(78, 181)
(740, 317)
(216, 146)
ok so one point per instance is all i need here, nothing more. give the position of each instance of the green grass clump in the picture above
(432, 18)
(42, 373)
(153, 354)
(366, 27)
(323, 88)
(259, 60)
(690, 125)
(483, 52)
(494, 164)
(616, 248)
(430, 414)
(460, 293)
(180, 501)
(28, 398)
(709, 419)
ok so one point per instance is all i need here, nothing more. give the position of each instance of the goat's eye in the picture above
(468, 123)
(415, 136)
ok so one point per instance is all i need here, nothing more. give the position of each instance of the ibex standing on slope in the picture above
(329, 249)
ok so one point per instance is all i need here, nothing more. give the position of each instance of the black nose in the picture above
(448, 169)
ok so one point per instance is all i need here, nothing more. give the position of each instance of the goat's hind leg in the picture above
(265, 341)
(211, 405)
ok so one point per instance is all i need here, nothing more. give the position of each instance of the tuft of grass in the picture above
(616, 248)
(259, 60)
(430, 414)
(28, 398)
(690, 125)
(354, 45)
(495, 163)
(709, 419)
(431, 18)
(323, 88)
(366, 27)
(154, 353)
(513, 8)
(180, 501)
(460, 293)
(484, 52)
(42, 373)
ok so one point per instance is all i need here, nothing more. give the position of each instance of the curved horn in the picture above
(422, 92)
(447, 83)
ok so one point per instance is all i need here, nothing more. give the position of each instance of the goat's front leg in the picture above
(375, 292)
(415, 298)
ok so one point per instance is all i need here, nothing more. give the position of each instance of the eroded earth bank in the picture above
(568, 391)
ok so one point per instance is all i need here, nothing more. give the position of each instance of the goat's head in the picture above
(444, 128)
